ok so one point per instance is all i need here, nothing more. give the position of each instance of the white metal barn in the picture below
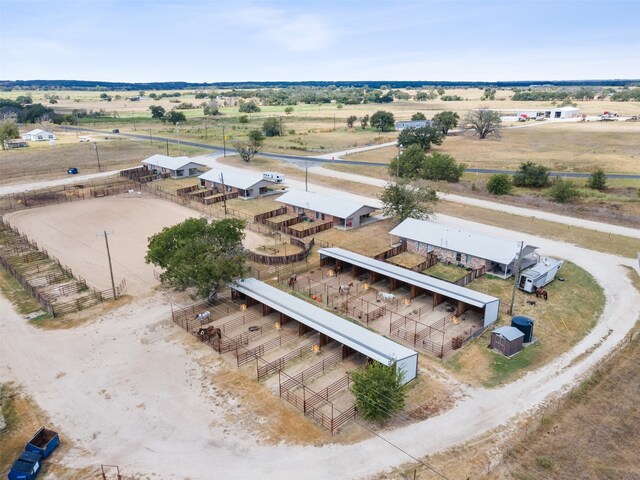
(349, 334)
(176, 167)
(38, 135)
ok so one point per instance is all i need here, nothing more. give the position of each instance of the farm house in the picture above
(39, 135)
(507, 340)
(483, 307)
(176, 167)
(335, 208)
(247, 185)
(330, 327)
(402, 124)
(466, 249)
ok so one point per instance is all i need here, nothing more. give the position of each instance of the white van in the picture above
(274, 177)
(83, 139)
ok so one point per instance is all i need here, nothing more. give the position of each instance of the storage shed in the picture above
(507, 340)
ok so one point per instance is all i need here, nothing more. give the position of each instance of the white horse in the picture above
(204, 317)
(387, 296)
(344, 289)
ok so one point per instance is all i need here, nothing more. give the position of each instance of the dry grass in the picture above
(591, 239)
(368, 240)
(407, 260)
(573, 308)
(450, 273)
(255, 206)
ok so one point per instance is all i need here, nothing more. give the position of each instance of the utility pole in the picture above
(224, 193)
(224, 147)
(167, 140)
(150, 137)
(306, 177)
(334, 122)
(178, 136)
(97, 155)
(106, 241)
(515, 281)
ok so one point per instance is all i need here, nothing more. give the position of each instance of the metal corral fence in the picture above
(40, 275)
(64, 193)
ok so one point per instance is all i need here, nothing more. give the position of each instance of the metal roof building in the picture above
(351, 214)
(417, 281)
(507, 340)
(354, 336)
(175, 166)
(503, 254)
(249, 184)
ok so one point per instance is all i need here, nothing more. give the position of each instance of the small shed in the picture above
(507, 340)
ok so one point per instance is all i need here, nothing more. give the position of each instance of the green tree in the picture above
(423, 136)
(174, 116)
(199, 254)
(564, 191)
(418, 116)
(442, 167)
(211, 108)
(383, 121)
(24, 100)
(530, 174)
(409, 164)
(445, 121)
(288, 110)
(8, 130)
(247, 149)
(597, 180)
(272, 127)
(351, 120)
(364, 121)
(500, 184)
(483, 122)
(379, 391)
(243, 119)
(157, 111)
(401, 201)
(249, 107)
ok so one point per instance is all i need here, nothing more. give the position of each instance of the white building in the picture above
(176, 167)
(38, 135)
(402, 124)
(546, 113)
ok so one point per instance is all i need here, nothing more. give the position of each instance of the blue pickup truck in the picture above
(29, 463)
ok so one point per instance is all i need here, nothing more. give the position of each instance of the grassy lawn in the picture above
(368, 240)
(407, 260)
(18, 296)
(571, 312)
(449, 273)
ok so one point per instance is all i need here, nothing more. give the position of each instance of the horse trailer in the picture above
(541, 274)
(273, 176)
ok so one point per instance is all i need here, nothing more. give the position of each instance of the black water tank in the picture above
(525, 325)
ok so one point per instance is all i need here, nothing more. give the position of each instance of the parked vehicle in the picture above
(115, 130)
(274, 177)
(26, 467)
(83, 139)
(541, 274)
(72, 170)
(44, 442)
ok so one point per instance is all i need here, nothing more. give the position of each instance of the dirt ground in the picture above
(129, 219)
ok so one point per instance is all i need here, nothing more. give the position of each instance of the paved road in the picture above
(302, 160)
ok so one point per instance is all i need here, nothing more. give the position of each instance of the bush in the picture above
(243, 119)
(564, 191)
(249, 107)
(597, 180)
(378, 391)
(544, 462)
(439, 166)
(531, 175)
(500, 184)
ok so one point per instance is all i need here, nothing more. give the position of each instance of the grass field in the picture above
(368, 240)
(573, 308)
(449, 273)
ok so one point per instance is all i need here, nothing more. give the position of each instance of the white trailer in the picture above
(541, 274)
(273, 176)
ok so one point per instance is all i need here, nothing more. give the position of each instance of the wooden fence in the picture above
(283, 259)
(262, 217)
(391, 252)
(469, 277)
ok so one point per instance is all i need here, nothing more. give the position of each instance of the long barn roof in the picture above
(348, 333)
(420, 280)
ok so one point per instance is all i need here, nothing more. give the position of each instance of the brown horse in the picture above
(540, 292)
(209, 332)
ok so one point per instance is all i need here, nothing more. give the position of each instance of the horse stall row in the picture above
(281, 350)
(419, 318)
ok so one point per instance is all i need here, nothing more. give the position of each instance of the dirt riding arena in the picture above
(73, 233)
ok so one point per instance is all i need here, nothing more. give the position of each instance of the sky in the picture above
(267, 40)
